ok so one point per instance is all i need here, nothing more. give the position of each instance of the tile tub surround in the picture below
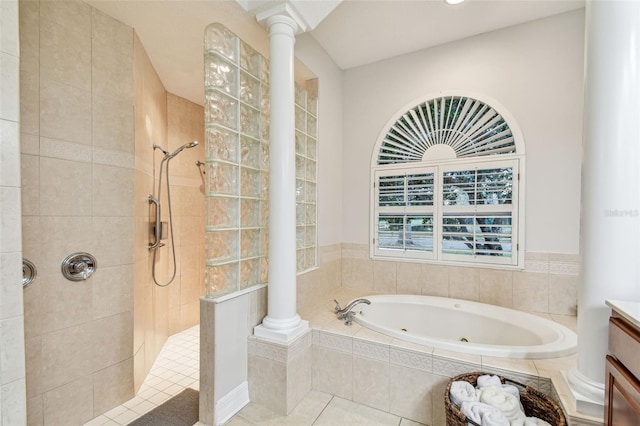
(547, 284)
(402, 378)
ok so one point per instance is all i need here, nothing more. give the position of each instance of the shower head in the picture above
(177, 151)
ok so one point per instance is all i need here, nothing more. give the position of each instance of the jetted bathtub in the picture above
(464, 326)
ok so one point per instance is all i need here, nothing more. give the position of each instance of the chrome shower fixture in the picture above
(159, 228)
(179, 150)
(200, 165)
(161, 149)
(169, 156)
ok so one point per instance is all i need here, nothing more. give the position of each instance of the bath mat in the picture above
(181, 410)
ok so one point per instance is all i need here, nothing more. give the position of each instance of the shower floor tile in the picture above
(175, 369)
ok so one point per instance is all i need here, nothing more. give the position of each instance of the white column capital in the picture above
(282, 13)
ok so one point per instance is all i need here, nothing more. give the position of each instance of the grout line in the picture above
(325, 407)
(175, 355)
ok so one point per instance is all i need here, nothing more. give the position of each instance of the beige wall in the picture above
(77, 178)
(330, 128)
(12, 373)
(168, 121)
(538, 60)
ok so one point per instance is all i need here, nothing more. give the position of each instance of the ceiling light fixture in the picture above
(453, 1)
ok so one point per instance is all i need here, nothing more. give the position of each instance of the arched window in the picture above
(447, 178)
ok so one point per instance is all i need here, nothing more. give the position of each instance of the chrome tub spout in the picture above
(347, 313)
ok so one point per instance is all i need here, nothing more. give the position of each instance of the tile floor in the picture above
(177, 367)
(319, 409)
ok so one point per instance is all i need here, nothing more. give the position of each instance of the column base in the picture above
(279, 374)
(281, 335)
(587, 394)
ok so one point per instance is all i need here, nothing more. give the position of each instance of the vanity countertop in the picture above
(626, 309)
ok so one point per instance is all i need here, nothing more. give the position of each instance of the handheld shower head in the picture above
(177, 151)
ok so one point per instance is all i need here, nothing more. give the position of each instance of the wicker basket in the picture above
(535, 403)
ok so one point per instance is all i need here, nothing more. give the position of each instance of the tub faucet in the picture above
(347, 313)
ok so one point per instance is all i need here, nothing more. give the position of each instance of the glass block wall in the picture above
(306, 150)
(237, 158)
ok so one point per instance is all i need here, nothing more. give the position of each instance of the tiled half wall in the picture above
(400, 379)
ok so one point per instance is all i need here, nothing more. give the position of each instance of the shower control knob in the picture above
(78, 266)
(29, 272)
(81, 268)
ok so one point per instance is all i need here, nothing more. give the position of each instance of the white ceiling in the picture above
(356, 33)
(361, 32)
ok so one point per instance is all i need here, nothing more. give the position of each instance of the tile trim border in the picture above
(279, 352)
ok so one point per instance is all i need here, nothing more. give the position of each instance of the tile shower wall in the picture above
(169, 121)
(185, 124)
(548, 283)
(12, 373)
(77, 156)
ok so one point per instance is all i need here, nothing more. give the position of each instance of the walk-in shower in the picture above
(159, 228)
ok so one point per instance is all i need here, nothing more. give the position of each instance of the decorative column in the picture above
(282, 323)
(610, 227)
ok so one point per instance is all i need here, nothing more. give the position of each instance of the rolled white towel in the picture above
(483, 414)
(488, 380)
(529, 421)
(461, 391)
(512, 390)
(505, 402)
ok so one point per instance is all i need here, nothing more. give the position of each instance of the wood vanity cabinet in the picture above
(622, 383)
